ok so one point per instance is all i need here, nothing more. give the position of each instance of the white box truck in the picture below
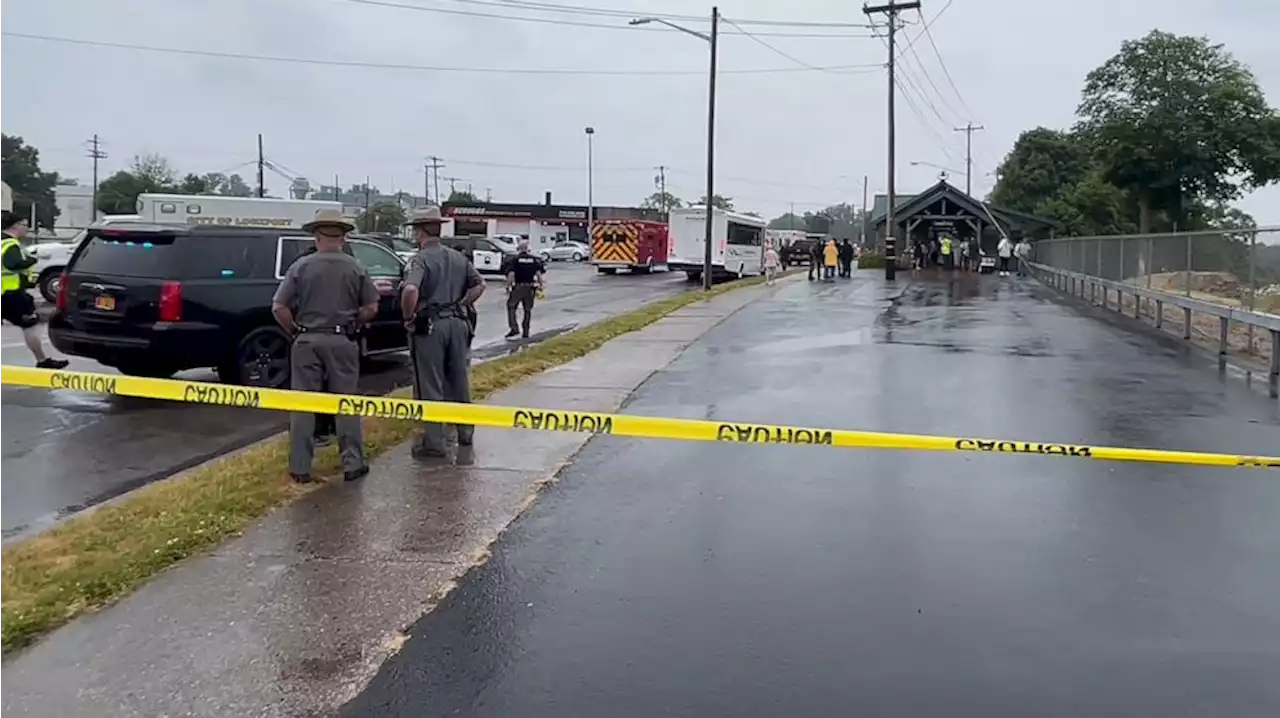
(737, 243)
(194, 209)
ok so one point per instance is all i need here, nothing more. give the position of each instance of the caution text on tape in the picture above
(649, 427)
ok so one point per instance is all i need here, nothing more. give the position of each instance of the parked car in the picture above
(404, 248)
(152, 300)
(486, 254)
(566, 250)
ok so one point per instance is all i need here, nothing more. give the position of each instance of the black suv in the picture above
(152, 300)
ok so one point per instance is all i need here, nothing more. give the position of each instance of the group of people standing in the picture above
(966, 254)
(828, 259)
(325, 300)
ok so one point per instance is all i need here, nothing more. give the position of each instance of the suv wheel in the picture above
(261, 358)
(577, 257)
(49, 283)
(546, 256)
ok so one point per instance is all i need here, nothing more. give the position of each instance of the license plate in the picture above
(105, 303)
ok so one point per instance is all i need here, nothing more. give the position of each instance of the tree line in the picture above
(1169, 132)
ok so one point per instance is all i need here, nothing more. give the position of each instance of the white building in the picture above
(75, 208)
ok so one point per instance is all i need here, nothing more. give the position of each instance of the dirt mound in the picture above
(1219, 284)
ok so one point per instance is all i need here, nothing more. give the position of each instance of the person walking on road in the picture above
(524, 282)
(323, 301)
(19, 307)
(846, 259)
(439, 288)
(830, 258)
(771, 263)
(1005, 251)
(1022, 252)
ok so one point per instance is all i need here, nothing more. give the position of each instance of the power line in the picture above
(925, 27)
(773, 49)
(397, 66)
(611, 12)
(569, 23)
(945, 71)
(925, 72)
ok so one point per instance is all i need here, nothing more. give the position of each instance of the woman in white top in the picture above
(1005, 250)
(771, 263)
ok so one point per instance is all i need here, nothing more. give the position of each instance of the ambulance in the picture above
(639, 246)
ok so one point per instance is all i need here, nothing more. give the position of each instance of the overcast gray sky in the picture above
(804, 136)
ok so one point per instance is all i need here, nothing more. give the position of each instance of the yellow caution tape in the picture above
(507, 417)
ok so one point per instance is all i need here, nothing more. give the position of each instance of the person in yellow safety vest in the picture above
(948, 259)
(19, 308)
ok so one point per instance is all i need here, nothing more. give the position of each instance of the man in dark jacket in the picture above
(846, 259)
(815, 260)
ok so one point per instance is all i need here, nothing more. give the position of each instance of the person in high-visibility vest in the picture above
(944, 250)
(19, 308)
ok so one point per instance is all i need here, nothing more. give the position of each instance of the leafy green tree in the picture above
(664, 201)
(29, 184)
(787, 220)
(718, 201)
(1174, 119)
(118, 194)
(1089, 207)
(1042, 163)
(234, 186)
(462, 196)
(382, 217)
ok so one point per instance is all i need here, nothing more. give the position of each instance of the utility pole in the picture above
(366, 193)
(95, 151)
(434, 175)
(262, 188)
(661, 181)
(792, 217)
(488, 195)
(891, 10)
(591, 201)
(711, 153)
(968, 131)
(863, 233)
(337, 190)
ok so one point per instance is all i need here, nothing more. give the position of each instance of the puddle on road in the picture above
(860, 337)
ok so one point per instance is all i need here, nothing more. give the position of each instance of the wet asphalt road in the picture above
(690, 579)
(63, 451)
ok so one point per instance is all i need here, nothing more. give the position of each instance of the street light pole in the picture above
(711, 129)
(591, 213)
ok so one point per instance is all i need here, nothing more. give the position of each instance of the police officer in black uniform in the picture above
(524, 281)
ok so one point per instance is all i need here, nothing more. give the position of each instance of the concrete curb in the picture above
(298, 614)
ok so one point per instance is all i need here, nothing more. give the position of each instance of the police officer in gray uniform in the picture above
(323, 301)
(440, 286)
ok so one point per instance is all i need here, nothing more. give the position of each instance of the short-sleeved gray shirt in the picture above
(441, 274)
(325, 289)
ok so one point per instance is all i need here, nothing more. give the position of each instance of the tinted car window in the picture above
(377, 260)
(485, 245)
(165, 256)
(291, 248)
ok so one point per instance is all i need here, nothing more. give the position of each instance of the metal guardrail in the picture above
(1086, 286)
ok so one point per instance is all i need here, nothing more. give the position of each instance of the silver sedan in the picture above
(567, 250)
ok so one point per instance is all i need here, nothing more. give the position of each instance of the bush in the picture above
(871, 260)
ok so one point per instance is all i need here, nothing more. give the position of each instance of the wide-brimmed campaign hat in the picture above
(425, 215)
(328, 218)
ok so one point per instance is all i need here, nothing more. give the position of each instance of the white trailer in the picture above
(737, 242)
(189, 209)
